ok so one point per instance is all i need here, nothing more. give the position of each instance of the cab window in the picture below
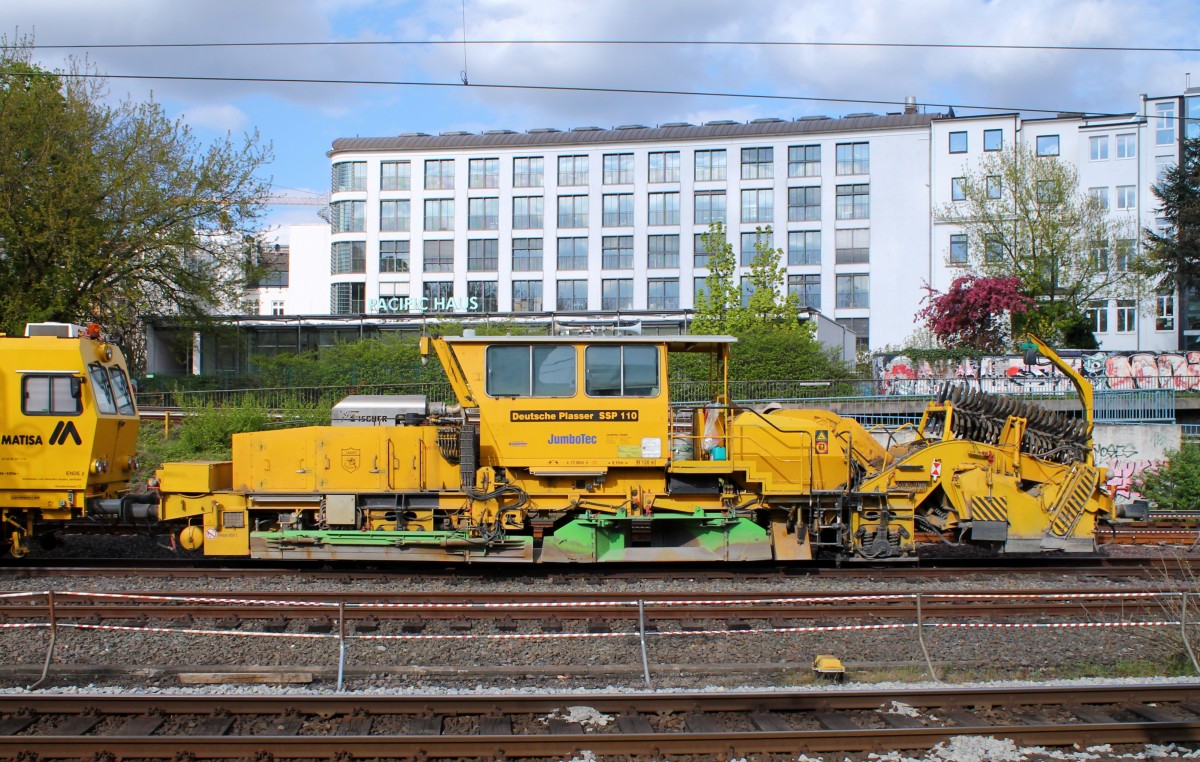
(51, 395)
(124, 397)
(622, 371)
(102, 389)
(531, 371)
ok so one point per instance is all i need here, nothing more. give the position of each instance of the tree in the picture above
(1174, 485)
(1173, 256)
(719, 307)
(110, 213)
(974, 312)
(1026, 217)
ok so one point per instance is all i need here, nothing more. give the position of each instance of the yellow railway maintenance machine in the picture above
(572, 449)
(68, 432)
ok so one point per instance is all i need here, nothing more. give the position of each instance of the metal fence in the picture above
(862, 399)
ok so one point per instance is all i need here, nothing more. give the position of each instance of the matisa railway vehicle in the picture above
(68, 431)
(572, 449)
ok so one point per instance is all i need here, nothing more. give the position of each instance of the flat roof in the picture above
(675, 343)
(635, 133)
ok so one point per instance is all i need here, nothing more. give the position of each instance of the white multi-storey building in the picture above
(607, 222)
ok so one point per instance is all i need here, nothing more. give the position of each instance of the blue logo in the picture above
(571, 439)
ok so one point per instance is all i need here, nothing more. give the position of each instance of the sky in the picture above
(899, 49)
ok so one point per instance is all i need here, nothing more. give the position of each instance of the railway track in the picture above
(515, 726)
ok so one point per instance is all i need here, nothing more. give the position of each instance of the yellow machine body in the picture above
(574, 449)
(68, 428)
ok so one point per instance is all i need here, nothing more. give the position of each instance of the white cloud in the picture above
(219, 117)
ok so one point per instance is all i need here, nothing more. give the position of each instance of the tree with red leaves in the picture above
(974, 312)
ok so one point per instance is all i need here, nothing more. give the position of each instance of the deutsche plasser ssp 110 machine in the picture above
(570, 449)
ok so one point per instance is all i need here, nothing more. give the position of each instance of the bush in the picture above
(1175, 484)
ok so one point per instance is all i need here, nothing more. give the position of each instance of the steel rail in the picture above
(1163, 709)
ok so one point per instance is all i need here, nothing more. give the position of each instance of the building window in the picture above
(618, 210)
(995, 189)
(483, 294)
(572, 170)
(1162, 165)
(572, 296)
(483, 255)
(710, 165)
(993, 252)
(758, 205)
(1099, 196)
(1164, 126)
(664, 166)
(663, 251)
(617, 253)
(395, 175)
(393, 256)
(1047, 192)
(1047, 145)
(439, 174)
(710, 207)
(804, 161)
(751, 242)
(854, 202)
(1099, 255)
(349, 176)
(958, 249)
(1126, 145)
(853, 291)
(618, 168)
(958, 143)
(1125, 249)
(483, 173)
(277, 307)
(993, 140)
(439, 214)
(1164, 312)
(527, 254)
(572, 254)
(572, 211)
(758, 163)
(439, 257)
(347, 298)
(616, 294)
(1126, 197)
(1098, 145)
(348, 216)
(853, 158)
(1126, 315)
(483, 214)
(527, 212)
(699, 251)
(664, 209)
(862, 330)
(528, 171)
(394, 215)
(804, 204)
(1097, 315)
(527, 296)
(699, 289)
(807, 289)
(662, 294)
(804, 247)
(439, 295)
(957, 192)
(852, 247)
(747, 289)
(348, 257)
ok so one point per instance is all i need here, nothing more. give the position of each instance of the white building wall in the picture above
(911, 169)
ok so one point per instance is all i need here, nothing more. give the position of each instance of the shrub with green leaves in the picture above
(1175, 484)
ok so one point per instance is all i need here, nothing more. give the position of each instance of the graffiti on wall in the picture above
(899, 374)
(1128, 452)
